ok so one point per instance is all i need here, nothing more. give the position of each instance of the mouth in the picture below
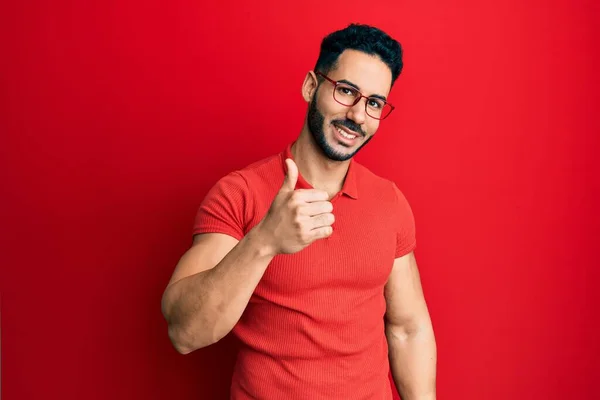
(345, 135)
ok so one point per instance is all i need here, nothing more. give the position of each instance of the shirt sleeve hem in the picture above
(406, 249)
(215, 229)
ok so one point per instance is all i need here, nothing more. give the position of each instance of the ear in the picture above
(309, 87)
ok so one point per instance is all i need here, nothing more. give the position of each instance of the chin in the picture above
(334, 150)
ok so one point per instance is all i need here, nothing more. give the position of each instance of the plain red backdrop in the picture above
(117, 117)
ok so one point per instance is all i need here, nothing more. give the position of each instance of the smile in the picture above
(345, 134)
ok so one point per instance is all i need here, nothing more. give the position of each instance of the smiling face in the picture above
(341, 131)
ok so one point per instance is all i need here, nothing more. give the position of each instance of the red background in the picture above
(112, 130)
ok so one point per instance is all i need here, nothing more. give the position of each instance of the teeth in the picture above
(344, 134)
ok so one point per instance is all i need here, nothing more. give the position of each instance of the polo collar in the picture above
(349, 188)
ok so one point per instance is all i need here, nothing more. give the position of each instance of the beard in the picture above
(316, 127)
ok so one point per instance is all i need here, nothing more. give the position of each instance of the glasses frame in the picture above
(359, 98)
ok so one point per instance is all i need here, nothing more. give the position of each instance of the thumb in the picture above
(291, 177)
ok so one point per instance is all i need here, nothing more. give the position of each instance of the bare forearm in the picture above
(413, 359)
(202, 308)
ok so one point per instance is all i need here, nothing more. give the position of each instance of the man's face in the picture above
(326, 117)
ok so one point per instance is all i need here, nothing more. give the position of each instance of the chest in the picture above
(359, 255)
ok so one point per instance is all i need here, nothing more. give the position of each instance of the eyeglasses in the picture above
(349, 96)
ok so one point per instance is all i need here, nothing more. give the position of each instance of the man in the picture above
(307, 256)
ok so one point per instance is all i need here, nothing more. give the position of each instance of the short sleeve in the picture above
(405, 225)
(224, 208)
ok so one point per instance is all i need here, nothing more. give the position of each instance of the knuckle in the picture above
(301, 209)
(295, 197)
(297, 220)
(295, 210)
(304, 237)
(291, 204)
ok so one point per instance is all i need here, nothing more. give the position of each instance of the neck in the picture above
(318, 170)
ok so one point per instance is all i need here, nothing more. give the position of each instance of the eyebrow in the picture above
(347, 82)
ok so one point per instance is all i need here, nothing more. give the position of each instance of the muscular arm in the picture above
(409, 332)
(211, 287)
(214, 280)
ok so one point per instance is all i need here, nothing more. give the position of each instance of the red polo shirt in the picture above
(314, 327)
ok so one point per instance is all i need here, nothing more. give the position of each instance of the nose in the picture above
(357, 112)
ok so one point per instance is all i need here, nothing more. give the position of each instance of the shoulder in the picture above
(255, 179)
(263, 168)
(262, 174)
(253, 175)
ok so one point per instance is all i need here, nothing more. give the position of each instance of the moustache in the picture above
(350, 125)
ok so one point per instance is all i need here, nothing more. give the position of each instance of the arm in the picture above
(214, 280)
(409, 332)
(211, 287)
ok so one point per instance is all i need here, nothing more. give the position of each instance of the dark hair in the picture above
(365, 38)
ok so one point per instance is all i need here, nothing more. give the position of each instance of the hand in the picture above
(296, 218)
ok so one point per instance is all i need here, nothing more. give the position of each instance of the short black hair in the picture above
(365, 38)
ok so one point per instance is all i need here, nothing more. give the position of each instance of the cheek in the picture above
(330, 109)
(371, 126)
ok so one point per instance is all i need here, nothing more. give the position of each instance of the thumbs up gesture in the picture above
(296, 218)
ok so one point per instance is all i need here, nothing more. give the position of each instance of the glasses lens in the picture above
(345, 94)
(378, 108)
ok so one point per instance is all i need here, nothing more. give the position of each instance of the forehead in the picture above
(366, 71)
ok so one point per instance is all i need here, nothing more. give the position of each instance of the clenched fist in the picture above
(296, 218)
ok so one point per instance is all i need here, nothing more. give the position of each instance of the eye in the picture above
(376, 103)
(346, 91)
